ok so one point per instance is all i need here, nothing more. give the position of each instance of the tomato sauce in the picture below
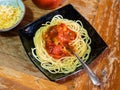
(56, 38)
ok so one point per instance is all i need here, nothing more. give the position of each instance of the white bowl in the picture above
(14, 3)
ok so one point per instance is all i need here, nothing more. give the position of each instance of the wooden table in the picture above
(104, 15)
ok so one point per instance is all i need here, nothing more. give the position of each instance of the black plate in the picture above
(27, 33)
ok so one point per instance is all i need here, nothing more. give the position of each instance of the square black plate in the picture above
(27, 33)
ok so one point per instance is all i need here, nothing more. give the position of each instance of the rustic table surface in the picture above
(104, 15)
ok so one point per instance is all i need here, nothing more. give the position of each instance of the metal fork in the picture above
(95, 80)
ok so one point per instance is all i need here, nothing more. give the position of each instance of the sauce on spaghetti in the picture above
(56, 38)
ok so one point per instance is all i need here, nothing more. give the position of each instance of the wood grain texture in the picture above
(104, 15)
(13, 80)
(107, 24)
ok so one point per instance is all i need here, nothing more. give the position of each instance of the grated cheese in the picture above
(9, 16)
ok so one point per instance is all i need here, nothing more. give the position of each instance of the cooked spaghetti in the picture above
(50, 45)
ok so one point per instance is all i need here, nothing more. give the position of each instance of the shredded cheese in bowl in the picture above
(9, 15)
